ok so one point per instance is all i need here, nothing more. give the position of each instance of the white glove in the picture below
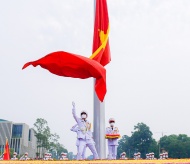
(73, 103)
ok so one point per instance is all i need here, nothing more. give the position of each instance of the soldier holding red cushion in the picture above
(112, 134)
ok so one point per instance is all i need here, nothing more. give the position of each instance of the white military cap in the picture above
(123, 153)
(64, 154)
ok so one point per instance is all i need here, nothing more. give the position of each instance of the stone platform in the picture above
(170, 161)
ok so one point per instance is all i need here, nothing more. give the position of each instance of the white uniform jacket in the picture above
(84, 126)
(114, 130)
(14, 158)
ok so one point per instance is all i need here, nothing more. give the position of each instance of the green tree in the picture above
(71, 156)
(124, 146)
(178, 146)
(141, 139)
(11, 152)
(43, 135)
(41, 125)
(45, 140)
(154, 148)
(60, 148)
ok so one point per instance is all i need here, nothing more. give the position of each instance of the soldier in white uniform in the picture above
(147, 156)
(1, 157)
(165, 155)
(138, 155)
(50, 156)
(161, 156)
(46, 157)
(63, 156)
(112, 143)
(14, 156)
(25, 157)
(152, 157)
(135, 156)
(84, 135)
(76, 129)
(123, 155)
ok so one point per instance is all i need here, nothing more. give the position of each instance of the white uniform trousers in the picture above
(90, 144)
(112, 150)
(83, 153)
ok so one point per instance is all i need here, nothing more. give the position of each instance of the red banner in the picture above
(70, 65)
(6, 155)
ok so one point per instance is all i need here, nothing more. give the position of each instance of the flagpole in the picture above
(99, 126)
(99, 122)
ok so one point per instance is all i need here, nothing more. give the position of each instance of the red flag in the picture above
(6, 155)
(70, 65)
(101, 49)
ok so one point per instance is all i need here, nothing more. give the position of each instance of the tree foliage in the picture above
(124, 145)
(141, 140)
(71, 156)
(178, 146)
(46, 141)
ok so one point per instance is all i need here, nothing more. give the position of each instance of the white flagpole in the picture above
(99, 121)
(99, 127)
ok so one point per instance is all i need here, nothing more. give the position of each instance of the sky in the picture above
(148, 79)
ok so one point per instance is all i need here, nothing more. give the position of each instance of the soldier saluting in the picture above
(84, 134)
(14, 156)
(25, 157)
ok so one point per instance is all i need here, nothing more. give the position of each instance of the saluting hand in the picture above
(73, 103)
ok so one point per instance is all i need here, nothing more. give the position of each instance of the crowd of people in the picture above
(150, 156)
(63, 156)
(164, 155)
(47, 156)
(22, 158)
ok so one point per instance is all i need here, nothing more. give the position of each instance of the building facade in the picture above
(21, 138)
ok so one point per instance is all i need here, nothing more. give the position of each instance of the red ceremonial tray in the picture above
(111, 136)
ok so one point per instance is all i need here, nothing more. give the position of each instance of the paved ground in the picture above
(170, 161)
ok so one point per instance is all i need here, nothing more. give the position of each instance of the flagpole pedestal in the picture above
(99, 127)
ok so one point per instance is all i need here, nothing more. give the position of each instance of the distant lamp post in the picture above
(159, 143)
